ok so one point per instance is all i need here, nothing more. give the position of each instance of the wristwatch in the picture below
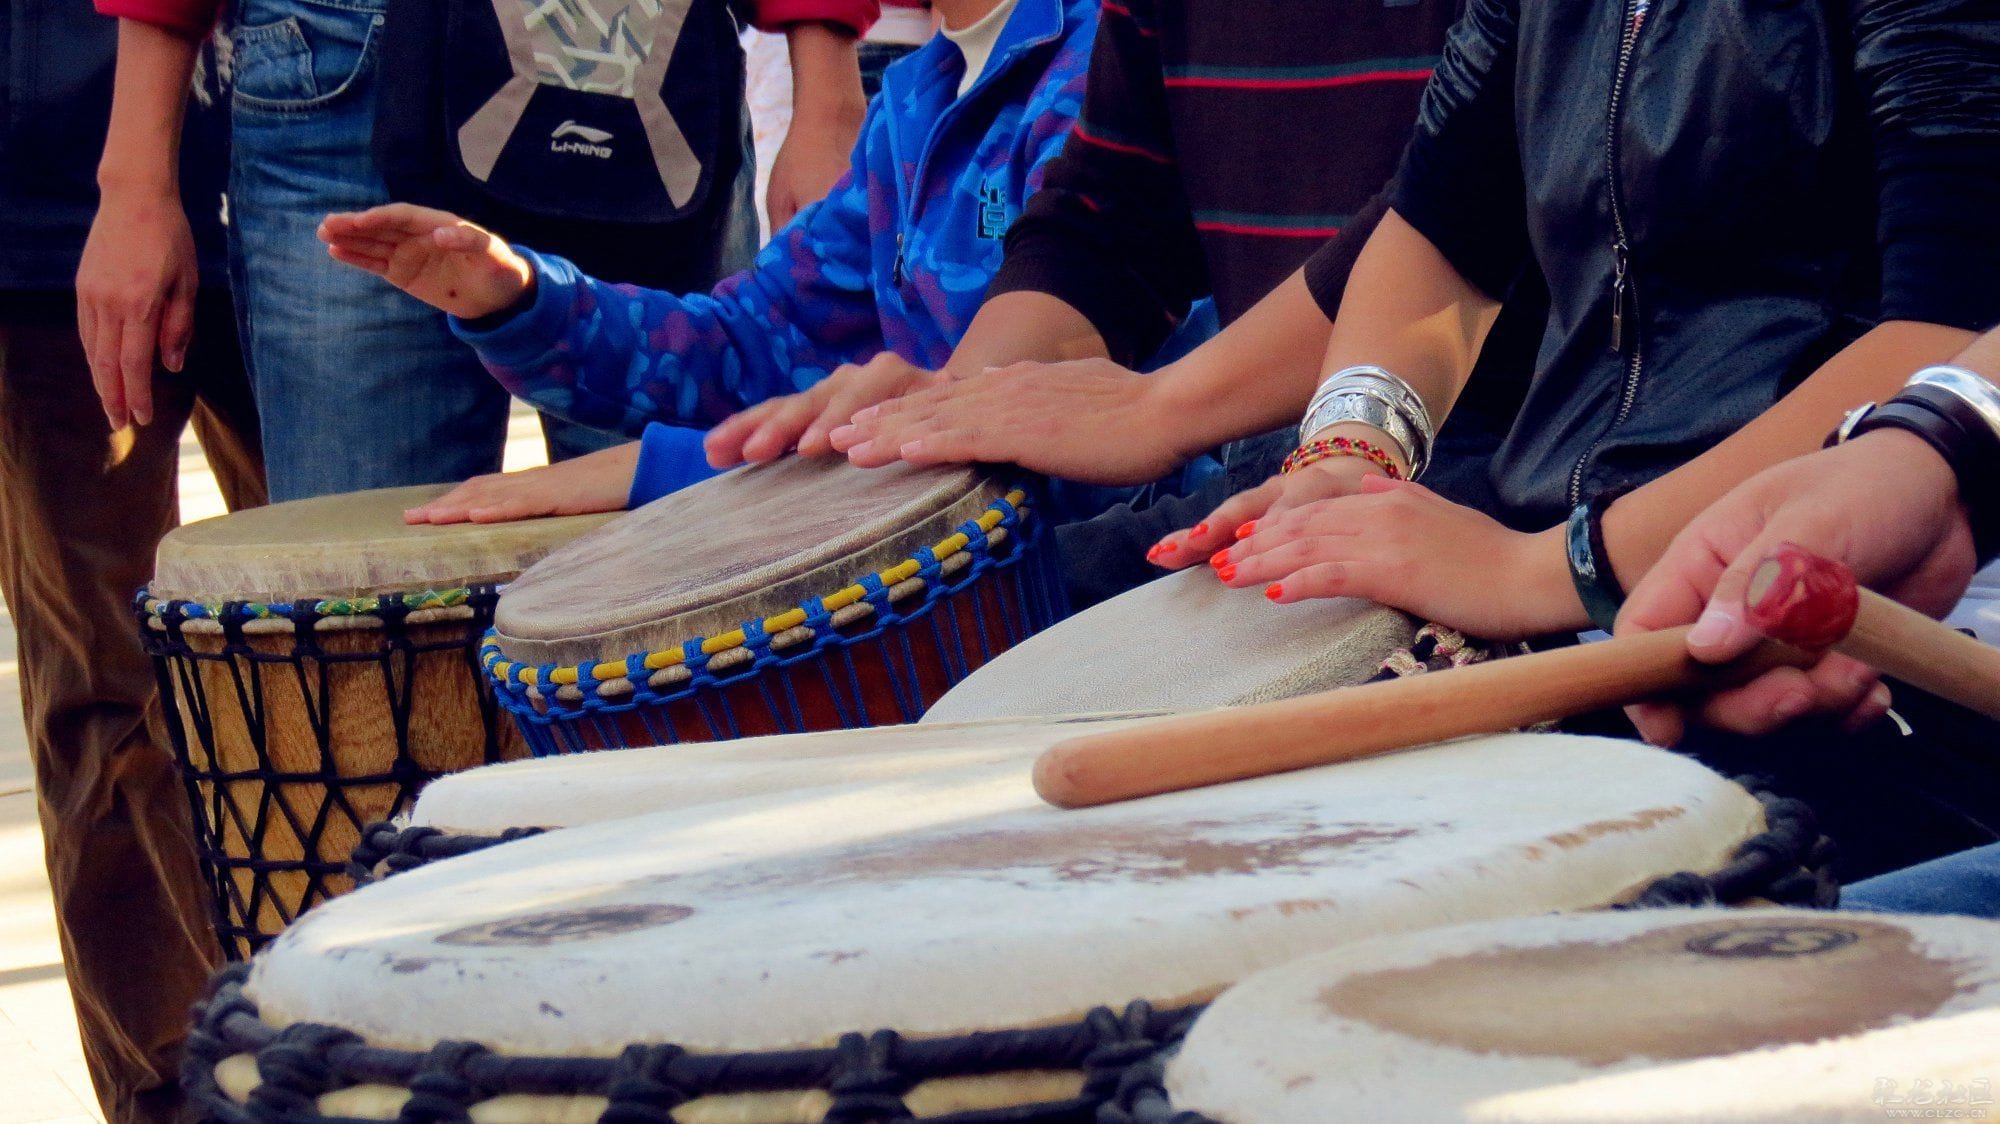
(1957, 413)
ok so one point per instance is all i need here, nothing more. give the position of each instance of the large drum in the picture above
(1184, 642)
(318, 661)
(1766, 1015)
(799, 595)
(941, 943)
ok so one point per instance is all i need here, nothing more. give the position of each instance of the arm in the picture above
(827, 111)
(137, 280)
(616, 356)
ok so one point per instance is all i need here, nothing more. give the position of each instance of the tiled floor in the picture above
(42, 1079)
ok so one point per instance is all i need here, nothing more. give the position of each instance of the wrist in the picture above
(826, 76)
(140, 184)
(1539, 577)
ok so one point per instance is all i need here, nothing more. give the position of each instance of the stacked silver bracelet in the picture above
(1377, 399)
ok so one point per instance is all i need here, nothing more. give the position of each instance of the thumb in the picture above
(1723, 631)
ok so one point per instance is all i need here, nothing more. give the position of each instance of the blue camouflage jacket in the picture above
(897, 256)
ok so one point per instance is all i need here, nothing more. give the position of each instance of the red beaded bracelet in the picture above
(1315, 451)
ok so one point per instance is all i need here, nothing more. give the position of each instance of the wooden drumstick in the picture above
(1797, 597)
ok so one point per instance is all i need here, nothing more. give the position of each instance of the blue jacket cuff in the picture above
(670, 458)
(523, 339)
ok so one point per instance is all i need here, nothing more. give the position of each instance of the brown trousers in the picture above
(81, 511)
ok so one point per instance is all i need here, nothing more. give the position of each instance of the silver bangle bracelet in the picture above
(1373, 412)
(1967, 387)
(1399, 400)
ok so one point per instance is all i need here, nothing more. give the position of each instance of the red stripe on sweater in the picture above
(1077, 130)
(1299, 83)
(1268, 231)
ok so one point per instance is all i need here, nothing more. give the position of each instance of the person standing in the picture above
(83, 502)
(359, 386)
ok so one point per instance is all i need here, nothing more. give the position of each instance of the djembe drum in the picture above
(941, 944)
(1676, 1015)
(1183, 642)
(318, 662)
(800, 595)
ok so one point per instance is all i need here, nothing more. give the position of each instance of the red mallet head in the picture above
(1804, 600)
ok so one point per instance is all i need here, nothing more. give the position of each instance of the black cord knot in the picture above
(294, 1068)
(865, 1086)
(443, 1089)
(643, 1089)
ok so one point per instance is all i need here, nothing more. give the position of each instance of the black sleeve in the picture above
(1330, 265)
(1930, 70)
(1110, 232)
(1459, 183)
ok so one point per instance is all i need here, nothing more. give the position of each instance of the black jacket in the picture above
(55, 101)
(1775, 175)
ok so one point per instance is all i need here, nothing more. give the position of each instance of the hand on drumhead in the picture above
(803, 421)
(1403, 545)
(1884, 505)
(1087, 420)
(432, 255)
(1326, 479)
(595, 482)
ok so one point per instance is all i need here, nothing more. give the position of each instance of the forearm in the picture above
(149, 99)
(1256, 375)
(826, 78)
(1638, 527)
(1409, 312)
(1024, 326)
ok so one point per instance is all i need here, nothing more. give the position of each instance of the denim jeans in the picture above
(1967, 883)
(358, 384)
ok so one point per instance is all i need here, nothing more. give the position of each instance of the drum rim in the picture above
(319, 1058)
(784, 629)
(452, 601)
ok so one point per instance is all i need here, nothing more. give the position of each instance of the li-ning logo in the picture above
(589, 142)
(992, 210)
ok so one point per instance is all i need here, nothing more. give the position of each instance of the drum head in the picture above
(350, 545)
(1649, 1015)
(1183, 642)
(576, 789)
(944, 902)
(739, 547)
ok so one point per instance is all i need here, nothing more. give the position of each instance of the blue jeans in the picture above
(1967, 883)
(358, 384)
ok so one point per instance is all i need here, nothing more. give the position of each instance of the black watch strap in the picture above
(1966, 441)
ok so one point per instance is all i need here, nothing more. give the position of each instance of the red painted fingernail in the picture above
(1219, 559)
(1199, 530)
(1275, 590)
(1246, 530)
(1226, 571)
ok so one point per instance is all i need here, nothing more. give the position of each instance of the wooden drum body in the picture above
(1661, 1016)
(318, 662)
(937, 943)
(781, 598)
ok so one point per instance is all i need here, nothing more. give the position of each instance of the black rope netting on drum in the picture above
(867, 1077)
(290, 743)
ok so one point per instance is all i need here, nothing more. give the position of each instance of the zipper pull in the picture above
(1618, 286)
(896, 274)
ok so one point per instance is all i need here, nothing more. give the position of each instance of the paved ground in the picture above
(42, 1079)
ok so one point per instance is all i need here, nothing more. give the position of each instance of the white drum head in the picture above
(1184, 642)
(1764, 1015)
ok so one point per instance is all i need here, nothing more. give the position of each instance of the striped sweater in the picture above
(1222, 142)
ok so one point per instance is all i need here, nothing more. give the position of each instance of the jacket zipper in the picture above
(1624, 289)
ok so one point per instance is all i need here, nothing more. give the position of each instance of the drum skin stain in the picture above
(1145, 853)
(567, 925)
(404, 965)
(1290, 908)
(836, 956)
(553, 1012)
(1638, 821)
(1710, 989)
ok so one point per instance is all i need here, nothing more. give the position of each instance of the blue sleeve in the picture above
(618, 357)
(670, 458)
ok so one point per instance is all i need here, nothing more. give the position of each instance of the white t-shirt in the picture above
(976, 42)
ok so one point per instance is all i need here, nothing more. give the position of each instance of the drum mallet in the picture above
(1808, 603)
